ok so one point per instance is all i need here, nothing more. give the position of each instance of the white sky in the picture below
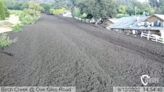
(143, 1)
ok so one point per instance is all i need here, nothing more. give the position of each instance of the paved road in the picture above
(64, 52)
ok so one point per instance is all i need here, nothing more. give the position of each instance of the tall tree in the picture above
(98, 8)
(3, 10)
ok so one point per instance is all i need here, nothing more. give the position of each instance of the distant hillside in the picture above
(39, 1)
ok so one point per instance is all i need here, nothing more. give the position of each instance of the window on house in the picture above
(157, 23)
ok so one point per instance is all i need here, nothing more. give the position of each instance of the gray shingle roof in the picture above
(128, 22)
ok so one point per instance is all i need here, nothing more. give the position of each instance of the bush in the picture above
(51, 11)
(84, 15)
(59, 11)
(5, 41)
(31, 14)
(7, 14)
(121, 15)
(76, 12)
(34, 9)
(26, 18)
(15, 12)
(18, 28)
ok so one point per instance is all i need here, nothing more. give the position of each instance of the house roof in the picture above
(114, 20)
(133, 22)
(128, 22)
(159, 16)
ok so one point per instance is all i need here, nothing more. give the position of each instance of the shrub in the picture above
(121, 15)
(5, 41)
(15, 12)
(25, 18)
(35, 6)
(59, 11)
(29, 16)
(18, 28)
(7, 14)
(76, 12)
(84, 15)
(51, 11)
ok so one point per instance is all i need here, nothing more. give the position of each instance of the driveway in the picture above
(60, 51)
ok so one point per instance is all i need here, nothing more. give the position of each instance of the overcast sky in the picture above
(143, 0)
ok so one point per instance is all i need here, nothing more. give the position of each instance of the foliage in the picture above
(31, 14)
(122, 9)
(18, 28)
(51, 11)
(142, 8)
(5, 41)
(46, 8)
(28, 17)
(76, 12)
(3, 10)
(15, 12)
(98, 8)
(84, 15)
(15, 5)
(58, 4)
(59, 11)
(161, 7)
(34, 6)
(135, 8)
(121, 15)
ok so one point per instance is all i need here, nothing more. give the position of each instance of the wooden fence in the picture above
(152, 37)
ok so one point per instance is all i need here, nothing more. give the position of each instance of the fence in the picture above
(153, 37)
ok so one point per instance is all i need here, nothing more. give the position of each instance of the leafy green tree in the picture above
(76, 12)
(122, 9)
(137, 8)
(161, 7)
(98, 8)
(58, 4)
(34, 9)
(155, 3)
(31, 14)
(15, 5)
(46, 7)
(3, 10)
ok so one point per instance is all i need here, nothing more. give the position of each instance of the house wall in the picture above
(162, 33)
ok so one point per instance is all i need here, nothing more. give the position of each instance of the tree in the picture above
(155, 3)
(58, 4)
(122, 9)
(3, 10)
(15, 5)
(158, 5)
(98, 8)
(46, 7)
(34, 9)
(161, 7)
(137, 8)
